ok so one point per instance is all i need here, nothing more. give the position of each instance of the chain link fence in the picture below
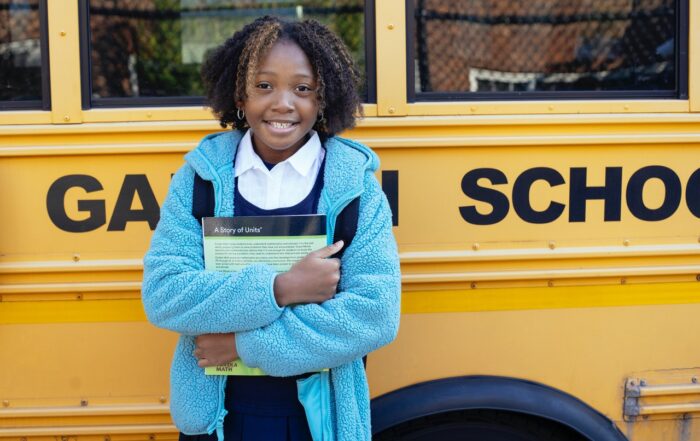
(545, 45)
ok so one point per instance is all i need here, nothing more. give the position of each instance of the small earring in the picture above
(240, 113)
(321, 118)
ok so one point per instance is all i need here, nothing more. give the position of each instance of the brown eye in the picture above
(304, 89)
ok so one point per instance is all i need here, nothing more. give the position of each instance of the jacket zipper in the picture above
(218, 424)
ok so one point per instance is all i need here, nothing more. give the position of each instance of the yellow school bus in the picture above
(542, 161)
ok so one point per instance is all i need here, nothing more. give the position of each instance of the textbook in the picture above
(232, 243)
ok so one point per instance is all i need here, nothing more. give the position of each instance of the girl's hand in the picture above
(314, 279)
(215, 349)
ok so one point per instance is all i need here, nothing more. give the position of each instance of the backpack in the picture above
(345, 224)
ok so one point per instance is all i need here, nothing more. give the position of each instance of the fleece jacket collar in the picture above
(346, 164)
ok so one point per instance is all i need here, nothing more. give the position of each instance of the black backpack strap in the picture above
(346, 225)
(345, 229)
(202, 198)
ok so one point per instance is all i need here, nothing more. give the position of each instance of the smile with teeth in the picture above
(280, 125)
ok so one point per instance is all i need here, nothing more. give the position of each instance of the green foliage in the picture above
(160, 68)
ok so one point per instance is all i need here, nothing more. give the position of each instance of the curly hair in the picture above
(229, 69)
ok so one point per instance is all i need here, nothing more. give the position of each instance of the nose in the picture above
(284, 101)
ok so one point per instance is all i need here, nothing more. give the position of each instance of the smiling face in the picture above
(282, 105)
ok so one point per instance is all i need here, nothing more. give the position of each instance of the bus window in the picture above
(150, 53)
(23, 82)
(548, 49)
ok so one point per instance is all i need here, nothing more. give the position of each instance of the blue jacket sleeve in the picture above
(178, 294)
(363, 315)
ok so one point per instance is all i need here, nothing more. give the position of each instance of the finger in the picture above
(334, 263)
(201, 341)
(202, 362)
(328, 251)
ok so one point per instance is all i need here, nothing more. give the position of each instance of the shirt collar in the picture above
(304, 158)
(301, 161)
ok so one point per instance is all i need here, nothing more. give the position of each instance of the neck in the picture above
(272, 156)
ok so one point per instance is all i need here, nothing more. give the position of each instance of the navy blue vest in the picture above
(309, 205)
(261, 406)
(274, 396)
(268, 404)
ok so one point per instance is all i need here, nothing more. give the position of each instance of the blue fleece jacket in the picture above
(178, 294)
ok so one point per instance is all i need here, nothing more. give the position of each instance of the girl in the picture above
(287, 88)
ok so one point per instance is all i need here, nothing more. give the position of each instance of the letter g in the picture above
(55, 204)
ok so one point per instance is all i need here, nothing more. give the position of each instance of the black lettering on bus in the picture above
(692, 193)
(521, 195)
(672, 193)
(497, 200)
(123, 213)
(580, 193)
(55, 204)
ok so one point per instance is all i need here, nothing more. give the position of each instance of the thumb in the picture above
(329, 250)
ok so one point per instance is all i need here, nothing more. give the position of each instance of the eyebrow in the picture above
(299, 75)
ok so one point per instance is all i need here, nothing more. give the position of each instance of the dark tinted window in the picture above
(154, 48)
(546, 45)
(20, 54)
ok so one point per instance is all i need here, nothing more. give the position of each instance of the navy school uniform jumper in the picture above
(264, 408)
(178, 294)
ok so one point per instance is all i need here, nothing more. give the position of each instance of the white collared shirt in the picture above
(289, 181)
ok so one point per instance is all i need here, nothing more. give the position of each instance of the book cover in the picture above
(232, 243)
